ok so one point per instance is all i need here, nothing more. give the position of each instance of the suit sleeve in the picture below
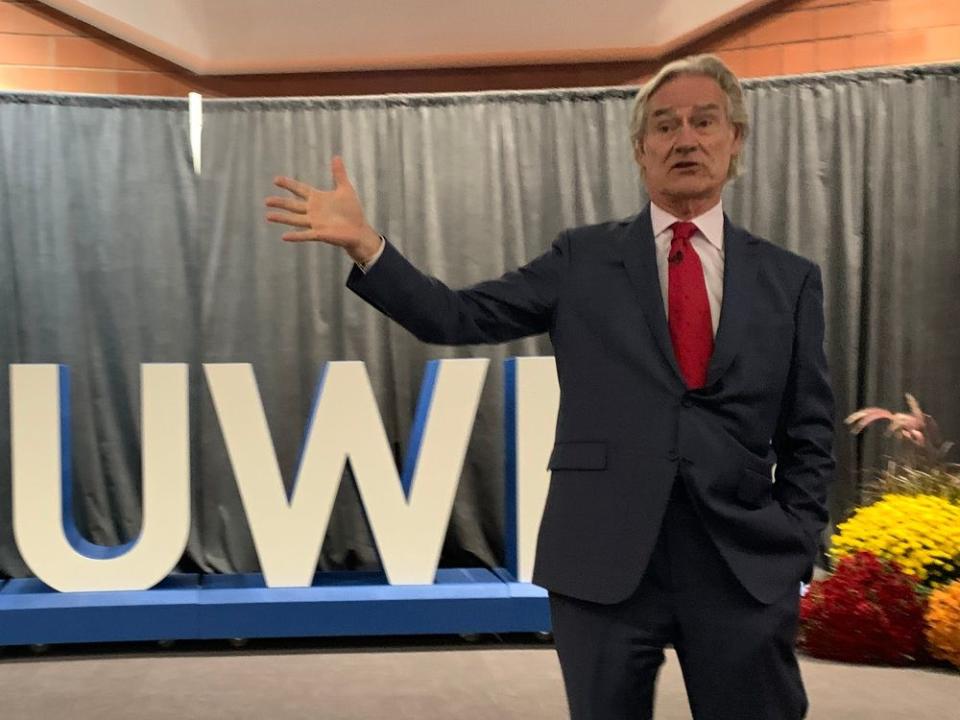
(519, 303)
(803, 440)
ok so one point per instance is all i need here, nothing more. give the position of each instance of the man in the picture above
(694, 436)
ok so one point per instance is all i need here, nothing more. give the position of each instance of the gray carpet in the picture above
(422, 682)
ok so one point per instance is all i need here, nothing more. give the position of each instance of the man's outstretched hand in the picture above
(334, 217)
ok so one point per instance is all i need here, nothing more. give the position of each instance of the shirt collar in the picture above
(710, 223)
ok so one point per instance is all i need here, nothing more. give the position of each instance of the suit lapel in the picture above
(739, 285)
(640, 259)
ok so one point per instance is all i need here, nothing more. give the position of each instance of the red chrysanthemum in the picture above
(868, 611)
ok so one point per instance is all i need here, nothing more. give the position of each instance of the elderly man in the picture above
(694, 437)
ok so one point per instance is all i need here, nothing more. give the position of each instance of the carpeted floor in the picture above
(424, 680)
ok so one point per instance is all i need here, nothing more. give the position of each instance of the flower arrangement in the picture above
(920, 533)
(892, 554)
(868, 611)
(943, 623)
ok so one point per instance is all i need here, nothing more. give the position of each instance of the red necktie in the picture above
(691, 328)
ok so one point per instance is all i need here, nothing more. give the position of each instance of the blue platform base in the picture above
(461, 601)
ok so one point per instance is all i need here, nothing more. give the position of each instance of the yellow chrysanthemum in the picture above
(943, 623)
(921, 533)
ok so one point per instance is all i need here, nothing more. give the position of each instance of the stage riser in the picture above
(461, 601)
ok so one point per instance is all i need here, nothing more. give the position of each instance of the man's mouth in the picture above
(685, 165)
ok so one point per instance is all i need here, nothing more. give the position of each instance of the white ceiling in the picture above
(222, 37)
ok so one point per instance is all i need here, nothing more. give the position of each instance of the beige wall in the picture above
(41, 49)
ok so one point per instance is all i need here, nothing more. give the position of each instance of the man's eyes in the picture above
(701, 123)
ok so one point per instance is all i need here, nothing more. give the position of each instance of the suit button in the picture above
(673, 455)
(687, 402)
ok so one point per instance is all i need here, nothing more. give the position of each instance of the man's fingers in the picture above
(284, 203)
(295, 186)
(340, 177)
(289, 219)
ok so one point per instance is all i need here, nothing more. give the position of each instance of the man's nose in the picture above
(686, 136)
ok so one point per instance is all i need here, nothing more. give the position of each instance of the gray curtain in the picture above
(97, 230)
(468, 186)
(861, 172)
(858, 171)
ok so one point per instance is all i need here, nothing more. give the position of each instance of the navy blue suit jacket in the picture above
(628, 426)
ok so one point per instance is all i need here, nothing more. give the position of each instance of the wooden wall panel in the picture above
(44, 50)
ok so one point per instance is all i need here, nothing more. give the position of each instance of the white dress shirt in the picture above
(376, 256)
(707, 241)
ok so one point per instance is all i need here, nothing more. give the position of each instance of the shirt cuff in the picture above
(365, 267)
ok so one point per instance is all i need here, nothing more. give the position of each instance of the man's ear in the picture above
(638, 150)
(737, 140)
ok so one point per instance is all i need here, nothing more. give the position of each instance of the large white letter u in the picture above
(43, 523)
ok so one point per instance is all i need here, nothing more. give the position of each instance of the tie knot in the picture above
(682, 231)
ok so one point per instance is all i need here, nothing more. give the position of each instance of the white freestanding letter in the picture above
(408, 516)
(43, 525)
(532, 400)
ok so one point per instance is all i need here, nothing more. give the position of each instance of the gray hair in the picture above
(712, 67)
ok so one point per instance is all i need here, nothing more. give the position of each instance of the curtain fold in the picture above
(116, 255)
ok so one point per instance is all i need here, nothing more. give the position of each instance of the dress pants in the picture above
(736, 654)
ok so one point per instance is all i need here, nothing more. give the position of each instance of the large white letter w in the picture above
(408, 516)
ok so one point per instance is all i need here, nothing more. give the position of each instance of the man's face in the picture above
(686, 148)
